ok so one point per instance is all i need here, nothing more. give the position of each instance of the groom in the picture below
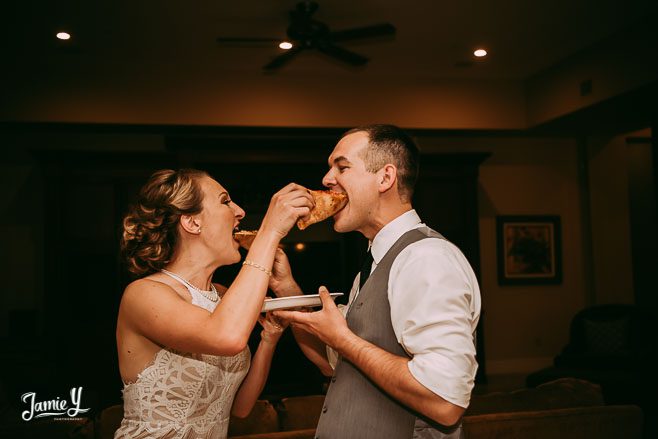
(406, 348)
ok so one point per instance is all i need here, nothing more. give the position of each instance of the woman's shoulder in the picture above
(147, 282)
(144, 288)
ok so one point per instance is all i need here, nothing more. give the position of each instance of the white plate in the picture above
(295, 301)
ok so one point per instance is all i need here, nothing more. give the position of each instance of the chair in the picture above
(263, 418)
(613, 346)
(301, 412)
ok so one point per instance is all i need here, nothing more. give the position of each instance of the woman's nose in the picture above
(239, 213)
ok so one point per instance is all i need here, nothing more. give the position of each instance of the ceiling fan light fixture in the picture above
(306, 33)
(480, 53)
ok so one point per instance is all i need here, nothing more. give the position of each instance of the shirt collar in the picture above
(391, 232)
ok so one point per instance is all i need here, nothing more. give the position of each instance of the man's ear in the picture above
(388, 177)
(190, 224)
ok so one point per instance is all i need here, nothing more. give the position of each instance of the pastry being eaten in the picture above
(245, 237)
(327, 203)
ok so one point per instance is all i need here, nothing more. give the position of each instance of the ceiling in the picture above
(434, 39)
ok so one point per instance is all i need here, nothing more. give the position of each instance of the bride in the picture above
(182, 340)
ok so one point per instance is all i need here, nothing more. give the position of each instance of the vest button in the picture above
(333, 379)
(359, 305)
(324, 409)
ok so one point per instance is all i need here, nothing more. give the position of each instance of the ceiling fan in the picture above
(305, 33)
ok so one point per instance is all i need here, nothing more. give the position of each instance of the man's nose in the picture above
(328, 180)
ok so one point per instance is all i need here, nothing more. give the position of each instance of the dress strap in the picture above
(211, 295)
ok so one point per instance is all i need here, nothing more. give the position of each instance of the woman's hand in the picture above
(272, 328)
(286, 207)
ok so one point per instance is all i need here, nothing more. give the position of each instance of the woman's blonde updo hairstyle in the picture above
(150, 229)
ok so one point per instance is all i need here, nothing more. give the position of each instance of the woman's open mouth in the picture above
(244, 238)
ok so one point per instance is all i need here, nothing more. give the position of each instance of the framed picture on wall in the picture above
(529, 250)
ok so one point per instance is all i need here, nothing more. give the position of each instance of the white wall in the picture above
(268, 100)
(611, 228)
(526, 326)
(615, 66)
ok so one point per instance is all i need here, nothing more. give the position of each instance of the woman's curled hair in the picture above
(150, 228)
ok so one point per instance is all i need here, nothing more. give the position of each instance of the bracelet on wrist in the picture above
(251, 263)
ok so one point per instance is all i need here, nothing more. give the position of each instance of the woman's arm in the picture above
(254, 382)
(283, 284)
(314, 349)
(157, 312)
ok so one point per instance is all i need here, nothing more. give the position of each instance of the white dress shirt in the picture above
(435, 306)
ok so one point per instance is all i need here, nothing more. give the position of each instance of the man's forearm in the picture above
(391, 373)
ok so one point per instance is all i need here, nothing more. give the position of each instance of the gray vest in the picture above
(355, 407)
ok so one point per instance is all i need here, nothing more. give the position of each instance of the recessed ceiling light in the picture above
(480, 53)
(300, 246)
(285, 45)
(63, 35)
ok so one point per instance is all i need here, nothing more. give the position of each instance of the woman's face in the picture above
(218, 220)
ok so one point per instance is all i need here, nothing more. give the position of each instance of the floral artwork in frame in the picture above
(529, 250)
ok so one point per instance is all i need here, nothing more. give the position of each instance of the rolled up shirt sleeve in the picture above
(332, 355)
(435, 306)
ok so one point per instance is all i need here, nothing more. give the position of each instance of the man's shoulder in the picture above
(433, 245)
(428, 231)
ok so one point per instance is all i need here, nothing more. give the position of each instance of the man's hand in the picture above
(388, 371)
(328, 324)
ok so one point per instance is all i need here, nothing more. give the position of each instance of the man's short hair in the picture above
(389, 144)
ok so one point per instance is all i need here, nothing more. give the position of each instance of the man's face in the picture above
(348, 174)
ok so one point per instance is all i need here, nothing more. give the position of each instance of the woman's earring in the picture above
(198, 231)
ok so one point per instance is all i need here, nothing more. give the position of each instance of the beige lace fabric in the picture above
(182, 395)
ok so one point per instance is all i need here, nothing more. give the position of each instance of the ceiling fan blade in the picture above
(343, 54)
(283, 58)
(247, 40)
(376, 30)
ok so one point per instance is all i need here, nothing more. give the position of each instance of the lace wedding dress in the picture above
(182, 395)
